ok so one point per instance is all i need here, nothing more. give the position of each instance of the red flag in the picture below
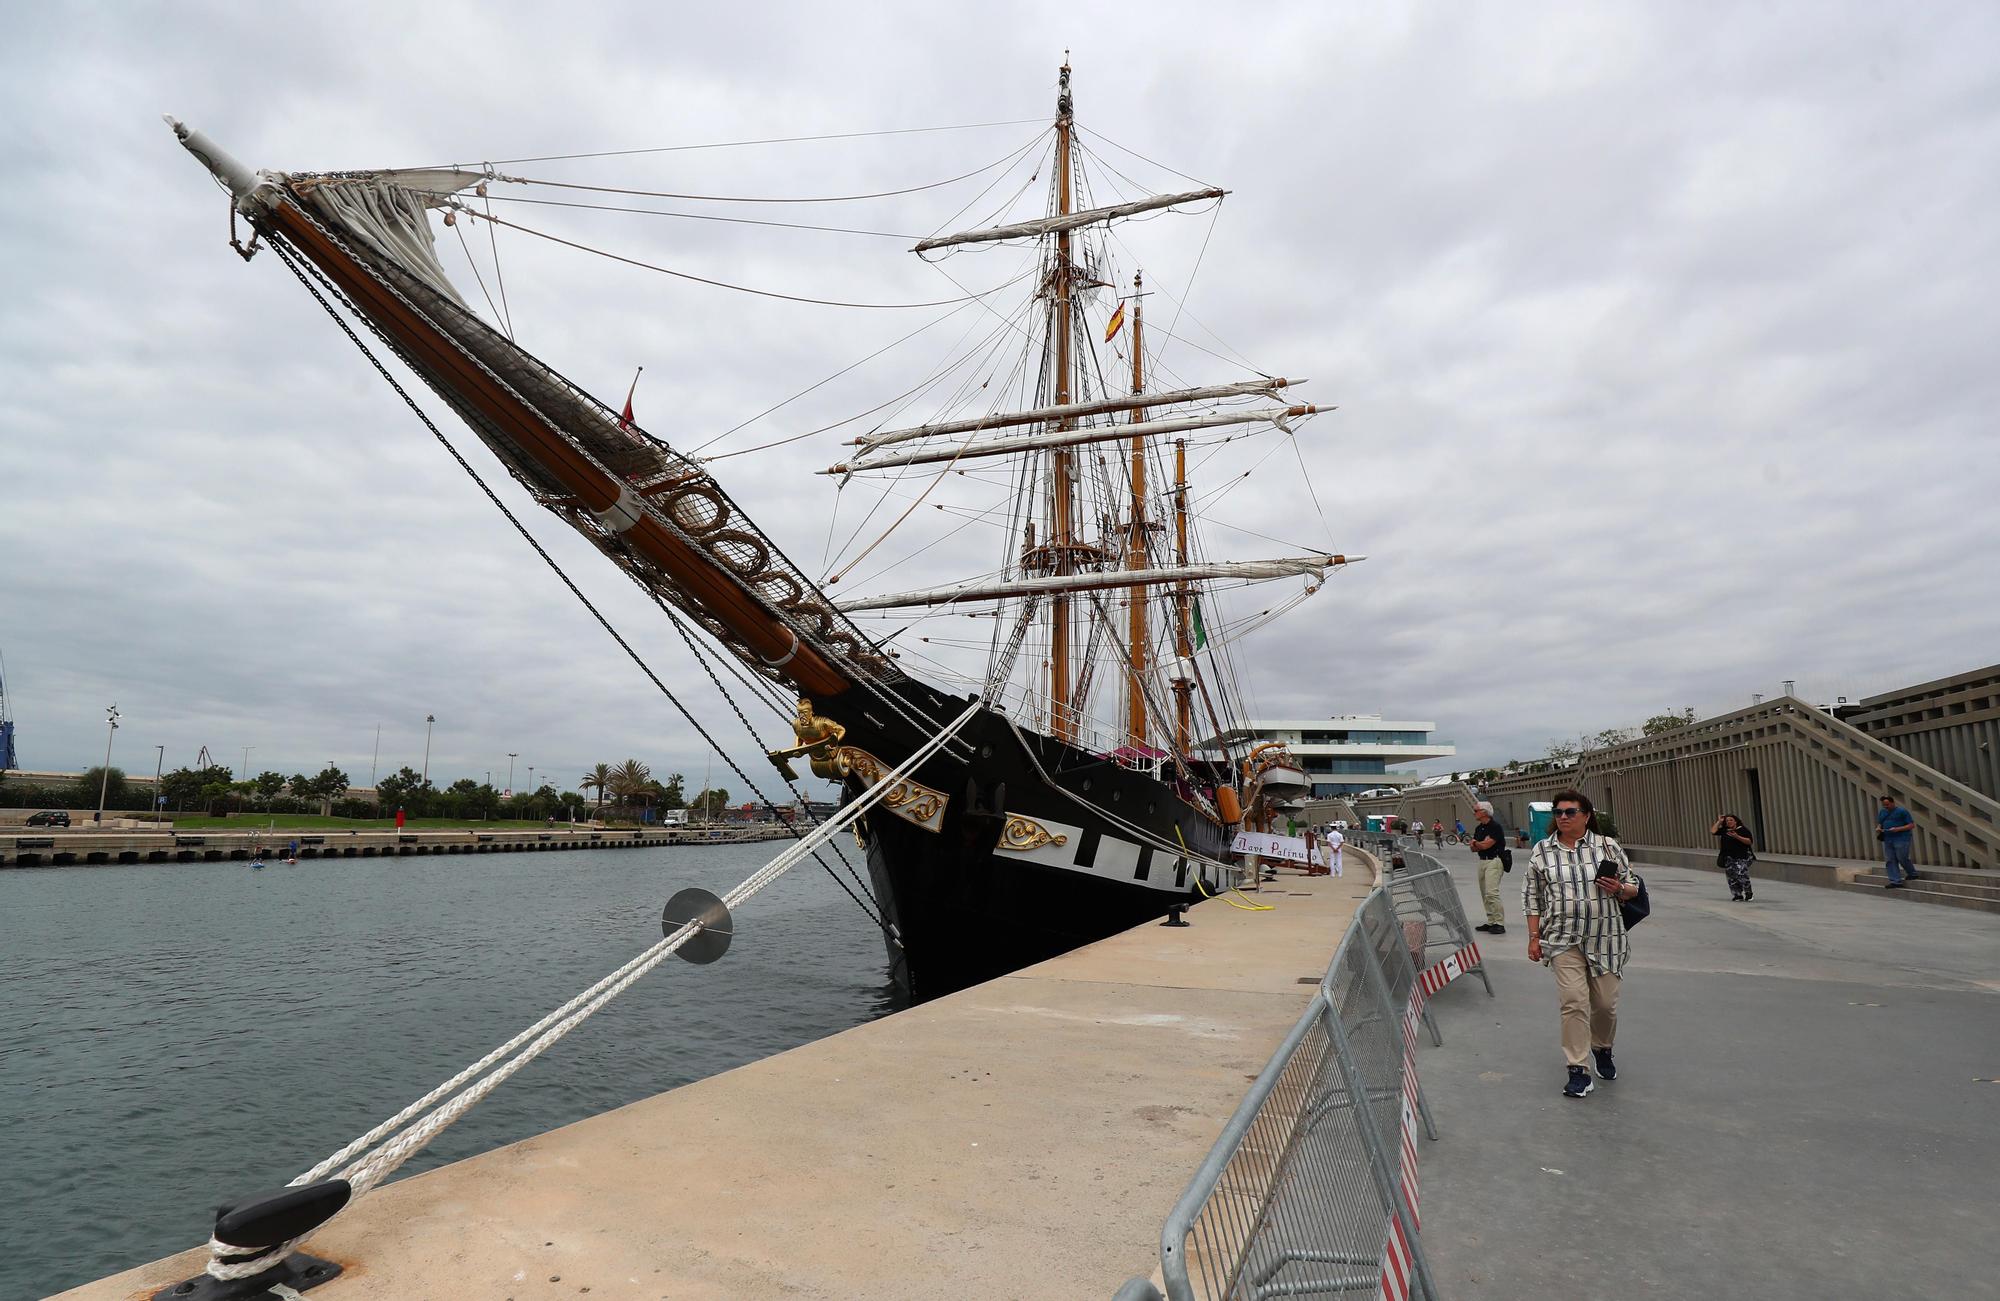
(625, 417)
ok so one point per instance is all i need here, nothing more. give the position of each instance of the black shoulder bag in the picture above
(1639, 907)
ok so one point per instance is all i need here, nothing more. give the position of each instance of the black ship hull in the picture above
(1009, 847)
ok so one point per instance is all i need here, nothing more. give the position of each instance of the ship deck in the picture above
(1025, 1137)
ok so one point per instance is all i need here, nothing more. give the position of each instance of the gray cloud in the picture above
(1664, 335)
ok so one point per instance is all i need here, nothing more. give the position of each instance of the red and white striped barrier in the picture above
(1396, 1263)
(1447, 969)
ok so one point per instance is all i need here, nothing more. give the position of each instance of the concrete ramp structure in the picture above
(1806, 783)
(1447, 802)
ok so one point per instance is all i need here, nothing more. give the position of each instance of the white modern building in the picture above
(1347, 753)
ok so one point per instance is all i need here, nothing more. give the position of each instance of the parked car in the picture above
(49, 818)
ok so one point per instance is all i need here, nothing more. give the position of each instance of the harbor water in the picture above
(173, 1036)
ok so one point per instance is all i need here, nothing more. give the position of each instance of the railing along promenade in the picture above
(1311, 1190)
(56, 847)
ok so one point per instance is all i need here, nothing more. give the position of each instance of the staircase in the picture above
(1954, 887)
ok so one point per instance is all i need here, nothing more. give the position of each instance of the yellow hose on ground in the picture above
(1246, 905)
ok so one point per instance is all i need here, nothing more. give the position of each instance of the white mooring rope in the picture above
(227, 1262)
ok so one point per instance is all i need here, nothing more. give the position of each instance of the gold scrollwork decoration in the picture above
(1022, 834)
(909, 800)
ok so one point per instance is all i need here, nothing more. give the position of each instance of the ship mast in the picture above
(1183, 635)
(1062, 461)
(1135, 547)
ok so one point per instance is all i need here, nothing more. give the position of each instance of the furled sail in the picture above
(1073, 410)
(1284, 567)
(1067, 221)
(386, 212)
(1069, 438)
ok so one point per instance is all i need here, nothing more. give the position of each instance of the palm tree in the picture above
(597, 779)
(628, 779)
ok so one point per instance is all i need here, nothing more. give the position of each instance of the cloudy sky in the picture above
(1662, 336)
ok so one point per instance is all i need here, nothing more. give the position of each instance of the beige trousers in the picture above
(1589, 1006)
(1489, 889)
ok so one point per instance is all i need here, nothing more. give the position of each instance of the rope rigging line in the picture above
(499, 277)
(741, 289)
(1081, 130)
(987, 346)
(1033, 176)
(907, 394)
(1002, 161)
(364, 1172)
(702, 658)
(739, 144)
(699, 216)
(290, 262)
(491, 306)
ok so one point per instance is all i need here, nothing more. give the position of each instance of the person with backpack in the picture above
(1489, 841)
(1577, 882)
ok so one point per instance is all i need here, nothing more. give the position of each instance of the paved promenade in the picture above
(1805, 1109)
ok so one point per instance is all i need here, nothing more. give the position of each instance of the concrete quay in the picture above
(1023, 1138)
(64, 847)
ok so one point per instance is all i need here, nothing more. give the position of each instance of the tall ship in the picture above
(1080, 799)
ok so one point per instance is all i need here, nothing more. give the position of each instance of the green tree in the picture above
(183, 786)
(1668, 722)
(269, 785)
(674, 794)
(114, 790)
(628, 781)
(1608, 737)
(710, 802)
(405, 789)
(598, 779)
(1560, 751)
(330, 785)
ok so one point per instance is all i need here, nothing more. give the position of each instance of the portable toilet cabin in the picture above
(1541, 817)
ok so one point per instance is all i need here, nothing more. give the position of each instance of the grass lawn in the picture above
(313, 822)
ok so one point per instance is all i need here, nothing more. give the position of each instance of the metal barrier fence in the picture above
(1435, 926)
(1311, 1188)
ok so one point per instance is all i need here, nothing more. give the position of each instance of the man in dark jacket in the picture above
(1489, 841)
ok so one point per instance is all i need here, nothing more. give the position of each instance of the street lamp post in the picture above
(429, 719)
(159, 797)
(531, 779)
(246, 762)
(511, 756)
(104, 786)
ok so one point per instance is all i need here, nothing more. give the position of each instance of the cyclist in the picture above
(1458, 825)
(1437, 832)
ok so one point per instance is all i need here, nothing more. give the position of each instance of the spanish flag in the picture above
(1115, 324)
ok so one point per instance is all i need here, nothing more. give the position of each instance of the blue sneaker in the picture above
(1606, 1068)
(1579, 1083)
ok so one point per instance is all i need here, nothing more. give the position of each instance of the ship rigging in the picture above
(1073, 803)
